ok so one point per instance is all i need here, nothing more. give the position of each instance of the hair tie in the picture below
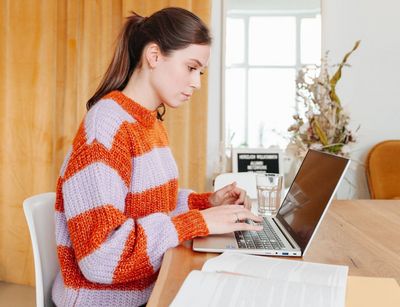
(143, 20)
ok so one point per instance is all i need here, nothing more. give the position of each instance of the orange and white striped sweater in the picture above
(118, 207)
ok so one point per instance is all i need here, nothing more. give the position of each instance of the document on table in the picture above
(234, 279)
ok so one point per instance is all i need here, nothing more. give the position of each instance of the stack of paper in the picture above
(234, 279)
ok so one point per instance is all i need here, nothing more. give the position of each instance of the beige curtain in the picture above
(52, 57)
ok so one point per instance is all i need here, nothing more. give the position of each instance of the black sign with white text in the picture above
(258, 162)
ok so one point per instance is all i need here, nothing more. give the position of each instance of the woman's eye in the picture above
(191, 68)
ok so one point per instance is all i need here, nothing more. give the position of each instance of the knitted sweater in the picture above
(118, 207)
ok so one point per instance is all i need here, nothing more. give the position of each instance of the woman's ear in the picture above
(152, 55)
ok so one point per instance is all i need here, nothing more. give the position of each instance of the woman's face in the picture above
(177, 75)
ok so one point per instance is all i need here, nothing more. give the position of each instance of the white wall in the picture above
(370, 88)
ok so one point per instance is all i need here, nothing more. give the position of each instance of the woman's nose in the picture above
(196, 82)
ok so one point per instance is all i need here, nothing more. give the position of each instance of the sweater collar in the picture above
(144, 116)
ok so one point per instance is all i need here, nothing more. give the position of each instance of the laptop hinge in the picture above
(286, 234)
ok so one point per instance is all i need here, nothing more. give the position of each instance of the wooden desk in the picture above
(362, 234)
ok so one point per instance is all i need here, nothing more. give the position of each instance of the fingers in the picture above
(228, 218)
(241, 198)
(245, 226)
(231, 194)
(247, 203)
(228, 188)
(239, 212)
(245, 214)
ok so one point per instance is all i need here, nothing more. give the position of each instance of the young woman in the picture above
(118, 206)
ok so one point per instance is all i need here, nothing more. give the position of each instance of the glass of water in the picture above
(269, 189)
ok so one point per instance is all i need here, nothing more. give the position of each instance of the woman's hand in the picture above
(230, 194)
(227, 218)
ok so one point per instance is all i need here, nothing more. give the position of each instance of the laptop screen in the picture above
(310, 194)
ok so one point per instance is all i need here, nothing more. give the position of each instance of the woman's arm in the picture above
(189, 200)
(109, 246)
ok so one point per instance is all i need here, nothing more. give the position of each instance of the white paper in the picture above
(279, 269)
(267, 282)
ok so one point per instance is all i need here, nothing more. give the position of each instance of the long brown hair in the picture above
(170, 28)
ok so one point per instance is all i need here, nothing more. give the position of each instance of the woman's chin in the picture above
(177, 103)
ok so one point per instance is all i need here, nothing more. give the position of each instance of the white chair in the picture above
(39, 213)
(245, 180)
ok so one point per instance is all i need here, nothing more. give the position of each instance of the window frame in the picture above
(245, 15)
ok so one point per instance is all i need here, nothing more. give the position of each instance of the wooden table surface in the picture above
(362, 234)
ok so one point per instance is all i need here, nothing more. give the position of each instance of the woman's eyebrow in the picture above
(198, 62)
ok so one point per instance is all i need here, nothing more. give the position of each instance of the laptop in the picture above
(291, 231)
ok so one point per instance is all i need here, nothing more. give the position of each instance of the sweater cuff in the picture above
(199, 201)
(189, 225)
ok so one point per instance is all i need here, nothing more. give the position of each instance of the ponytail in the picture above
(123, 63)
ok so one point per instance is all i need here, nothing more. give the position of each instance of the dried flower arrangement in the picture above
(322, 124)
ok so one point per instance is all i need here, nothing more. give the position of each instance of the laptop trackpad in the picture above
(222, 241)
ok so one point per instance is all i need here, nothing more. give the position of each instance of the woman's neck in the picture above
(139, 90)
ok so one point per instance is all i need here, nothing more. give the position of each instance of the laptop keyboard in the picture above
(264, 239)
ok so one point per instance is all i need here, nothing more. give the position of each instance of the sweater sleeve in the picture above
(199, 200)
(109, 246)
(189, 200)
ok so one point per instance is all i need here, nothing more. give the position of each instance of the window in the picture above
(263, 52)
